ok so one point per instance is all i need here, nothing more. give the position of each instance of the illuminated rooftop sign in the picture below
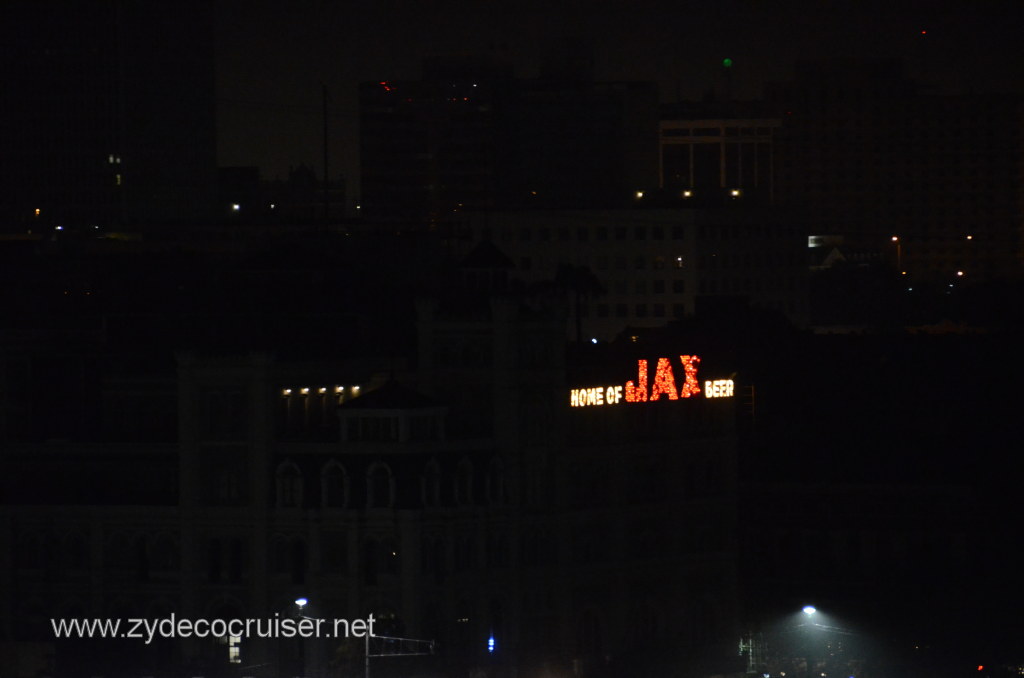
(664, 386)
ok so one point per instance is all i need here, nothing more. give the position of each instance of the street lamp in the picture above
(301, 603)
(809, 610)
(899, 253)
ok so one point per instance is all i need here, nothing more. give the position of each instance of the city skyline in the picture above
(274, 62)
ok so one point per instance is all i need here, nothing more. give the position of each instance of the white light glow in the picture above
(810, 609)
(235, 207)
(301, 602)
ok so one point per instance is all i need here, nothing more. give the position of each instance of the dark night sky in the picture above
(274, 55)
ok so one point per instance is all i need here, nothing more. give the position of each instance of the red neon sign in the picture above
(664, 385)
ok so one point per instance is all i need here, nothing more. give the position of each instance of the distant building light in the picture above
(593, 340)
(339, 389)
(359, 207)
(735, 192)
(272, 205)
(322, 390)
(110, 159)
(235, 207)
(37, 211)
(960, 273)
(286, 392)
(903, 272)
(58, 228)
(639, 194)
(490, 644)
(304, 390)
(687, 193)
(117, 179)
(970, 237)
(895, 238)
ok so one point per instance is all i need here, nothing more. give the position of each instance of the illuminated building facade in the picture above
(654, 265)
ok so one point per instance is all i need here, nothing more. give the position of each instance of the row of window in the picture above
(638, 310)
(380, 484)
(587, 233)
(604, 262)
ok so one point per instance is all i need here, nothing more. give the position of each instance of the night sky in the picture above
(273, 56)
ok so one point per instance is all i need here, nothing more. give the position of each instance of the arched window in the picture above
(297, 548)
(370, 562)
(496, 482)
(379, 486)
(118, 554)
(464, 483)
(279, 554)
(334, 485)
(163, 550)
(432, 485)
(289, 486)
(76, 551)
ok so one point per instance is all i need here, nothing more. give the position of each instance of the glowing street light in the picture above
(301, 602)
(809, 610)
(899, 252)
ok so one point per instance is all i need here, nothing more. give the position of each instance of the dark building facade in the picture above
(473, 137)
(456, 494)
(931, 181)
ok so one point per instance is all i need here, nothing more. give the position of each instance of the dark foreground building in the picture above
(474, 494)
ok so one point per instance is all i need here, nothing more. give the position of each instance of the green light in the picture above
(727, 62)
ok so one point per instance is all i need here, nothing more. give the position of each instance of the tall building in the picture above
(931, 182)
(705, 158)
(111, 115)
(470, 136)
